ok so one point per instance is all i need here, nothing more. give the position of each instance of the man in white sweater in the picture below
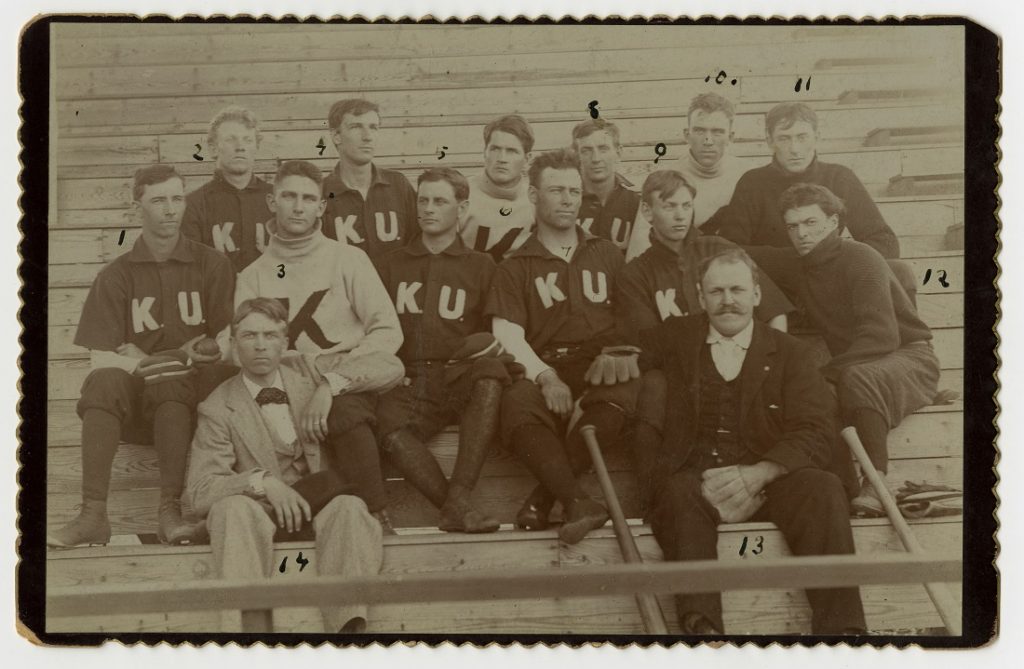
(500, 214)
(339, 316)
(707, 165)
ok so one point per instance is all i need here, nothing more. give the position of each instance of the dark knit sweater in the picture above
(850, 294)
(753, 219)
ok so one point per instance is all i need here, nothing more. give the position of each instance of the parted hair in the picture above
(710, 103)
(301, 168)
(458, 182)
(786, 114)
(236, 114)
(729, 257)
(590, 126)
(268, 306)
(664, 184)
(354, 106)
(558, 159)
(513, 124)
(153, 174)
(805, 195)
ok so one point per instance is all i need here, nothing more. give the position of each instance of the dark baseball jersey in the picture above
(158, 305)
(660, 284)
(229, 219)
(614, 219)
(558, 302)
(439, 298)
(382, 221)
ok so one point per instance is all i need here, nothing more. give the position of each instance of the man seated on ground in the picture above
(230, 211)
(145, 313)
(610, 204)
(369, 207)
(882, 362)
(258, 474)
(707, 165)
(451, 365)
(500, 214)
(749, 435)
(339, 314)
(552, 308)
(662, 282)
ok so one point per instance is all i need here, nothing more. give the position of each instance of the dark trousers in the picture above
(352, 445)
(809, 506)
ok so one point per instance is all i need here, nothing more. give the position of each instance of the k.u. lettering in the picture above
(548, 290)
(405, 298)
(666, 301)
(303, 322)
(595, 286)
(190, 311)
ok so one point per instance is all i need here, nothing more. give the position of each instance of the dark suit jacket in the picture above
(787, 411)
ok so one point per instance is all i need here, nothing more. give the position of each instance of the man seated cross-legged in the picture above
(454, 368)
(749, 434)
(259, 476)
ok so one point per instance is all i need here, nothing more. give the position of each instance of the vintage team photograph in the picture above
(608, 330)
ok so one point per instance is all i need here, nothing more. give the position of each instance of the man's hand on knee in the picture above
(557, 394)
(289, 506)
(313, 421)
(734, 491)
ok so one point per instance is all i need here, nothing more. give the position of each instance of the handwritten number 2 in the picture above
(280, 271)
(199, 150)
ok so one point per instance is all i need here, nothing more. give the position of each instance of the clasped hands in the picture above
(737, 491)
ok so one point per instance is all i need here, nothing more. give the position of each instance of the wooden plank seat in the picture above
(903, 609)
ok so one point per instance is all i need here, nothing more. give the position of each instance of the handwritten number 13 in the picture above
(759, 542)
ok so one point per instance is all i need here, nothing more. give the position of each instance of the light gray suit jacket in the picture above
(232, 441)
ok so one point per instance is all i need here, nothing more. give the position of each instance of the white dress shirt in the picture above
(728, 353)
(279, 416)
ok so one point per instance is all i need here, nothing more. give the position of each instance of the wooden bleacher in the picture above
(127, 100)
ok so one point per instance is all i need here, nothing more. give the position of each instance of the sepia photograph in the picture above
(538, 331)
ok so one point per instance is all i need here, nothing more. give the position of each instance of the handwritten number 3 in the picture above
(280, 271)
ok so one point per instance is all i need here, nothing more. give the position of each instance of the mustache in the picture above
(729, 309)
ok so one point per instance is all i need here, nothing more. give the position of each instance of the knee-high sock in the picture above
(172, 435)
(543, 454)
(873, 430)
(101, 434)
(357, 457)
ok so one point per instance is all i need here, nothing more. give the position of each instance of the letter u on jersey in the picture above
(596, 291)
(446, 309)
(386, 232)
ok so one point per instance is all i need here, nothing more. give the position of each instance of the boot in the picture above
(867, 504)
(91, 526)
(411, 457)
(476, 433)
(173, 530)
(583, 515)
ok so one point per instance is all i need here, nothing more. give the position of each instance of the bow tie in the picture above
(271, 396)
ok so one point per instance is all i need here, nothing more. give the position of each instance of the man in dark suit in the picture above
(257, 471)
(748, 436)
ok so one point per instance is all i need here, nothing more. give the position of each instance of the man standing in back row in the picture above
(610, 204)
(230, 211)
(368, 207)
(500, 215)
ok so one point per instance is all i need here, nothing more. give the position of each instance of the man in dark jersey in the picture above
(552, 303)
(368, 207)
(229, 211)
(144, 315)
(883, 364)
(500, 215)
(610, 205)
(439, 288)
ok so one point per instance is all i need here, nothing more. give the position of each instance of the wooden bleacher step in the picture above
(926, 184)
(870, 96)
(915, 135)
(888, 608)
(868, 63)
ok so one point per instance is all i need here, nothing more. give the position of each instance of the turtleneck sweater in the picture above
(753, 219)
(714, 186)
(852, 297)
(499, 219)
(336, 301)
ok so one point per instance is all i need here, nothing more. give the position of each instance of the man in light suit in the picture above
(257, 473)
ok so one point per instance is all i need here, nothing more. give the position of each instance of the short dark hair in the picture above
(458, 182)
(513, 124)
(664, 184)
(151, 175)
(731, 256)
(710, 103)
(270, 307)
(300, 168)
(786, 114)
(592, 125)
(558, 159)
(805, 195)
(236, 114)
(354, 106)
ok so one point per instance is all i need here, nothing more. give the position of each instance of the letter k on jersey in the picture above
(405, 301)
(190, 310)
(595, 287)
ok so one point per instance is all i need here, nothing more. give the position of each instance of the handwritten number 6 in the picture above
(280, 271)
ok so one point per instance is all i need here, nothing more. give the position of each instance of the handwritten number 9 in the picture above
(661, 150)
